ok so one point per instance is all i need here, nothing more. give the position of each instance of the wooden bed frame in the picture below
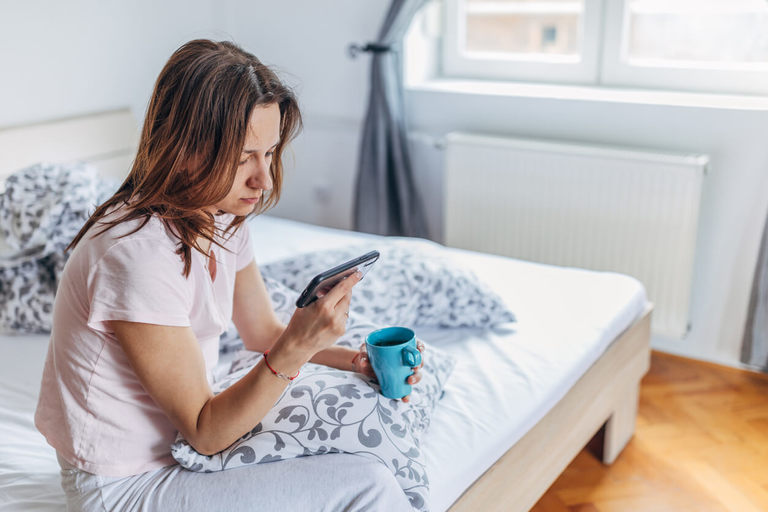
(606, 395)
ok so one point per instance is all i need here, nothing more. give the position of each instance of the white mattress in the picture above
(29, 473)
(504, 381)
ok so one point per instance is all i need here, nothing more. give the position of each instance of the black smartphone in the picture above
(323, 282)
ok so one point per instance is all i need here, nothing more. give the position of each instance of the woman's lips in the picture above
(250, 200)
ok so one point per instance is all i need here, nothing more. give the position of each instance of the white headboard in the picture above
(107, 140)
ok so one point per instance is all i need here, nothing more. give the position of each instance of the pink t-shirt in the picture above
(92, 408)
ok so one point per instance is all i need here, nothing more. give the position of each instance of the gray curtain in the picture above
(386, 200)
(754, 350)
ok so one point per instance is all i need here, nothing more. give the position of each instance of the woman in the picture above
(155, 275)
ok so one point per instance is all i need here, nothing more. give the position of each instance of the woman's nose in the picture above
(261, 177)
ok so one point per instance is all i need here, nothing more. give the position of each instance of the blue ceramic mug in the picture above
(392, 352)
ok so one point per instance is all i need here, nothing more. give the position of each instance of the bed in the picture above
(569, 368)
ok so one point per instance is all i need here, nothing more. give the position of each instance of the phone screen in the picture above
(324, 282)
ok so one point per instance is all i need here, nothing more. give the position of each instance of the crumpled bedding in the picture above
(41, 210)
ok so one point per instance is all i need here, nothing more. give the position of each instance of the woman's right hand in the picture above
(319, 325)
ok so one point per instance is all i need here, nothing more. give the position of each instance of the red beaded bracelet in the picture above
(278, 374)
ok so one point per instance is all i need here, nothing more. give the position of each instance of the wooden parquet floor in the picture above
(701, 445)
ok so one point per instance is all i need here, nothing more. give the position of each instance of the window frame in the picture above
(617, 71)
(603, 60)
(553, 68)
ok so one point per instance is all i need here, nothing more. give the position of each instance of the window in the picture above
(719, 45)
(551, 40)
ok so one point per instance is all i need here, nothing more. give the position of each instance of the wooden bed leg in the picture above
(620, 427)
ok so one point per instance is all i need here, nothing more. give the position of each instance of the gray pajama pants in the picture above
(334, 482)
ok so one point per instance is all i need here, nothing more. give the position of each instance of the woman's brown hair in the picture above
(192, 139)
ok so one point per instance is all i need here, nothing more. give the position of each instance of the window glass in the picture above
(697, 33)
(520, 28)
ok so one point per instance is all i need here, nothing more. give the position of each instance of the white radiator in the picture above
(629, 211)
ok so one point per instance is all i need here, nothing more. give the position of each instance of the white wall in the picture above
(64, 58)
(68, 58)
(61, 58)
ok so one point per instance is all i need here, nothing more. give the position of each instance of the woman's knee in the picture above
(378, 490)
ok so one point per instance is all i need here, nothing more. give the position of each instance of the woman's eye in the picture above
(268, 154)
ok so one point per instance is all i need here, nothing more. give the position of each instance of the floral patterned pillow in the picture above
(413, 283)
(329, 411)
(42, 208)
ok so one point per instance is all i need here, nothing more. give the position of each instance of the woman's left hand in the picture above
(363, 365)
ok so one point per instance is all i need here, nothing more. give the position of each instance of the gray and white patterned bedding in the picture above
(414, 283)
(45, 205)
(330, 411)
(41, 210)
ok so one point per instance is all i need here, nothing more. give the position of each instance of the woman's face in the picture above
(253, 176)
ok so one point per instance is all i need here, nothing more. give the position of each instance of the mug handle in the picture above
(411, 357)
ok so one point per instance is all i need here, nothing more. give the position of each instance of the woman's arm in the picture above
(252, 311)
(259, 328)
(170, 366)
(343, 358)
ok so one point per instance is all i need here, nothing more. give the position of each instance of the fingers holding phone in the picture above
(320, 324)
(342, 290)
(337, 301)
(324, 282)
(322, 308)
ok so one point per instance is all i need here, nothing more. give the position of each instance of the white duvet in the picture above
(504, 381)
